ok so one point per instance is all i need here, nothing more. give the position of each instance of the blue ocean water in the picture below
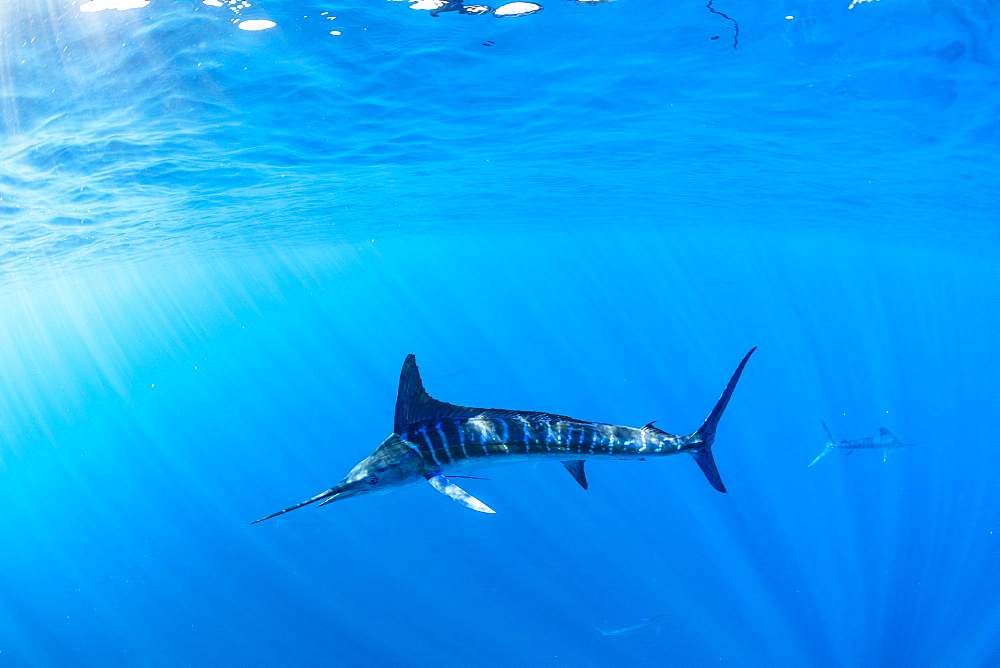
(218, 245)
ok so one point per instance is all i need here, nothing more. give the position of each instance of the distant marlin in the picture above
(431, 438)
(885, 440)
(648, 623)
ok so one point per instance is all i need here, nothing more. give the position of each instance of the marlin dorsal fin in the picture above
(651, 427)
(413, 404)
(884, 432)
(450, 489)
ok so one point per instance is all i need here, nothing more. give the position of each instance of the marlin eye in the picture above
(372, 480)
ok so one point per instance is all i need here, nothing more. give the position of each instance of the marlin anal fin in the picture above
(575, 469)
(450, 489)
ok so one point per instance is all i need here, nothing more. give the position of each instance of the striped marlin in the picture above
(885, 440)
(431, 438)
(656, 622)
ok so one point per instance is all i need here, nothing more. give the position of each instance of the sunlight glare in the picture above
(101, 5)
(257, 24)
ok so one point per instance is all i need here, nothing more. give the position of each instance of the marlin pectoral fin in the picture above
(575, 469)
(450, 489)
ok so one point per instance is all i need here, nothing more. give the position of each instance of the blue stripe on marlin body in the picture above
(431, 439)
(538, 439)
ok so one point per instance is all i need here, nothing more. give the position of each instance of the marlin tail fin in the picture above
(823, 454)
(703, 455)
(829, 444)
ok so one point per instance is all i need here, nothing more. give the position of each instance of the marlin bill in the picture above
(885, 441)
(432, 439)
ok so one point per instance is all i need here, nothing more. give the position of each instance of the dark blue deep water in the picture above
(217, 246)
